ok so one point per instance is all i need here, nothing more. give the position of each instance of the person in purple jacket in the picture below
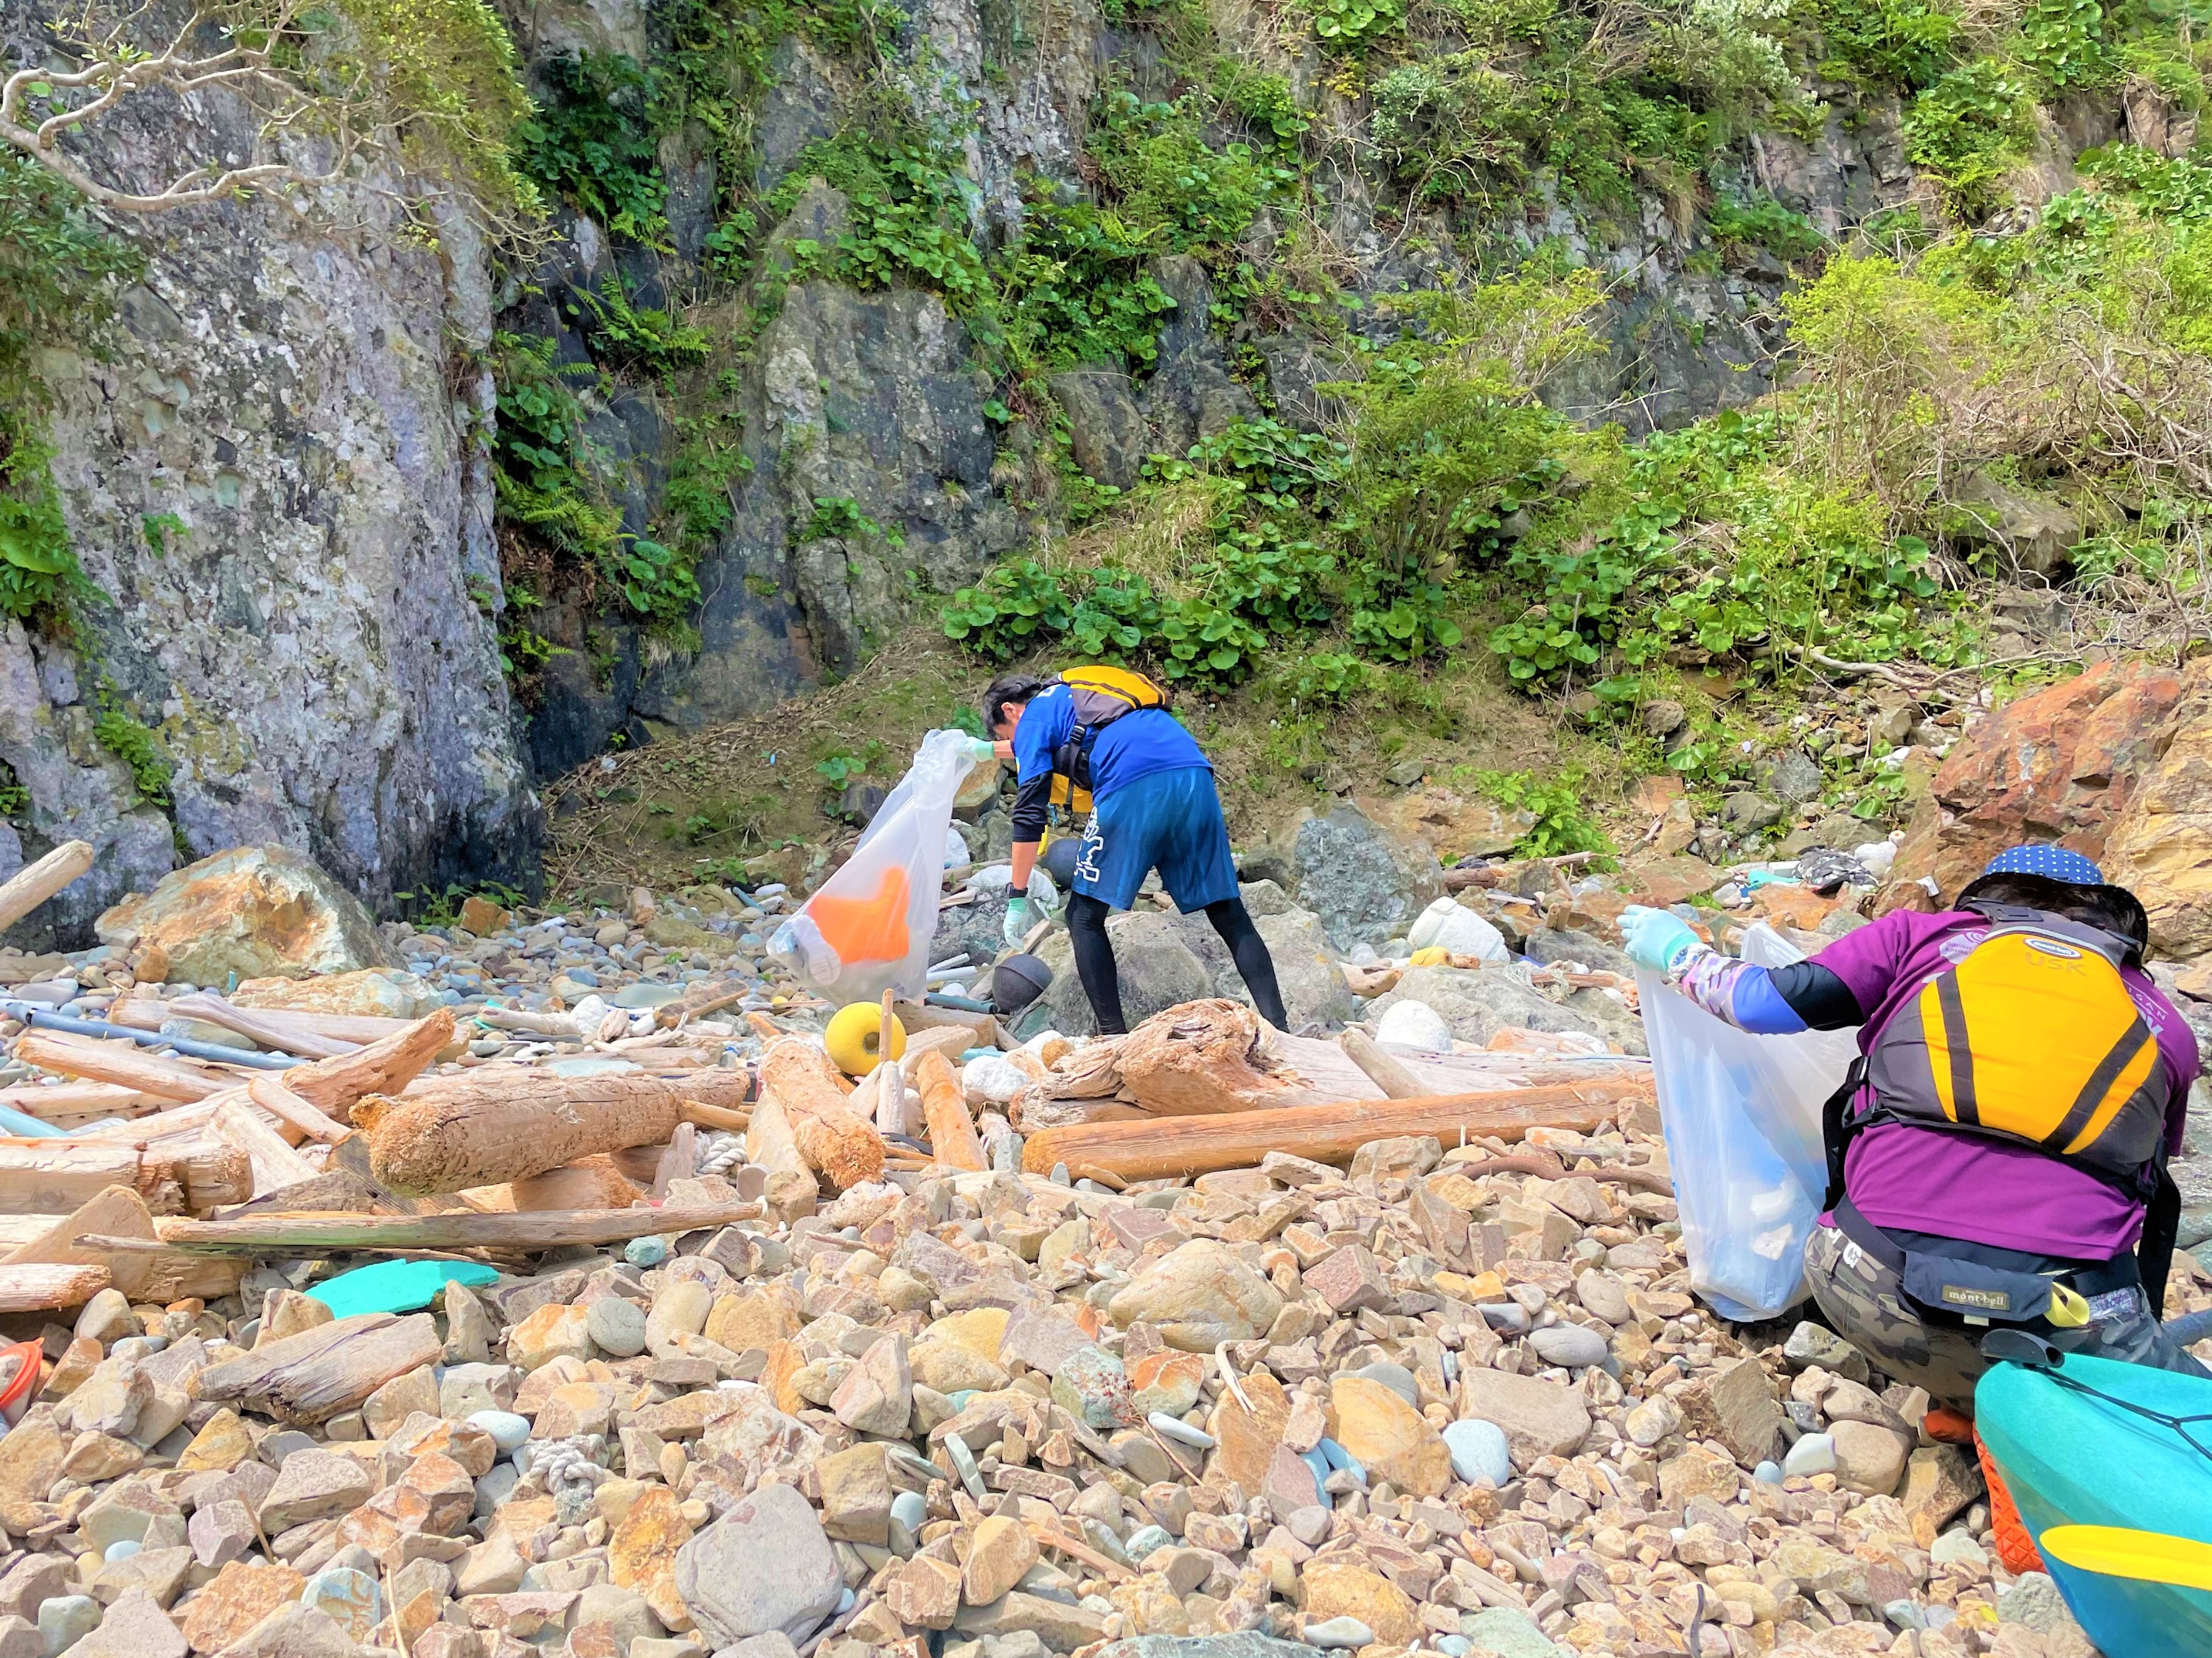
(1997, 1151)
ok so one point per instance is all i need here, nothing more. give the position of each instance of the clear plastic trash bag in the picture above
(1742, 1120)
(868, 929)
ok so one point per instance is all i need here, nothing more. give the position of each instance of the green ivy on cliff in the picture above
(57, 274)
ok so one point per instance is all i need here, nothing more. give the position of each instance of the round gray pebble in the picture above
(616, 1325)
(1575, 1345)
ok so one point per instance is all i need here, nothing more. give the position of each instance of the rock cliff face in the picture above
(318, 648)
(271, 472)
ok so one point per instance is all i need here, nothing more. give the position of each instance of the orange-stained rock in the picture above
(254, 911)
(2058, 765)
(641, 1553)
(236, 1599)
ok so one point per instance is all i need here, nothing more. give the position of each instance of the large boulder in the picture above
(765, 1566)
(2059, 765)
(1158, 971)
(1364, 883)
(2160, 846)
(1453, 825)
(1476, 1004)
(255, 911)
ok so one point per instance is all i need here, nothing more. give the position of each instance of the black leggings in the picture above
(1101, 979)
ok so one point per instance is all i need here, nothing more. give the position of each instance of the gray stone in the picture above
(1158, 971)
(66, 1619)
(1745, 813)
(2034, 1601)
(1575, 1345)
(1476, 1004)
(1341, 1632)
(1501, 1632)
(1362, 883)
(616, 1325)
(1106, 430)
(1812, 1344)
(1795, 775)
(1478, 1452)
(134, 1627)
(765, 1565)
(1812, 1454)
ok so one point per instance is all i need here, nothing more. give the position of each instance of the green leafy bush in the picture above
(1563, 824)
(909, 220)
(596, 143)
(1969, 130)
(1158, 169)
(1764, 222)
(1904, 43)
(1352, 25)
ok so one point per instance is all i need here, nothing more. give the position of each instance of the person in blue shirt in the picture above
(1153, 806)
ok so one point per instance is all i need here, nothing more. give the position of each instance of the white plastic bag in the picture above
(1451, 926)
(1742, 1120)
(868, 929)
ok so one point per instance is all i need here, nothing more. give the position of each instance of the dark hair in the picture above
(2114, 910)
(1008, 688)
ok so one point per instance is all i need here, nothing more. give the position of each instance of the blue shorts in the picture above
(1169, 821)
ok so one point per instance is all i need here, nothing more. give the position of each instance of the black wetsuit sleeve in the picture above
(1817, 996)
(1030, 808)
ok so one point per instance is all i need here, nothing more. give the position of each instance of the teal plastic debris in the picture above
(395, 1286)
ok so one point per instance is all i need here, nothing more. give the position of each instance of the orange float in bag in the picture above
(2015, 1548)
(868, 928)
(871, 929)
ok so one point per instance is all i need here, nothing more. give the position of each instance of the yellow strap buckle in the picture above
(2069, 1309)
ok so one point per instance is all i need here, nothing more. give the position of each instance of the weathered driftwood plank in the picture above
(1168, 1146)
(544, 1229)
(308, 1377)
(52, 1177)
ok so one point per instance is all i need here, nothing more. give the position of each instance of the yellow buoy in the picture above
(855, 1032)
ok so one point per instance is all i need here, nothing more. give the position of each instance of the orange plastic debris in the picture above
(871, 929)
(2015, 1548)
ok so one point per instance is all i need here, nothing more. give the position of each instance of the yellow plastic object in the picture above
(2119, 1551)
(855, 1034)
(1431, 955)
(2067, 1310)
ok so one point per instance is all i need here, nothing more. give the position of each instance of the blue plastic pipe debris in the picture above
(45, 1018)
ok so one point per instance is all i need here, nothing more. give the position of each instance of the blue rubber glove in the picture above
(1655, 939)
(1018, 921)
(983, 749)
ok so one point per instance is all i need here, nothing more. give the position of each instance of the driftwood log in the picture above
(123, 1063)
(44, 1288)
(152, 1275)
(311, 1376)
(1164, 1147)
(52, 1177)
(952, 1139)
(282, 1233)
(838, 1144)
(1202, 1058)
(32, 885)
(1386, 1071)
(492, 1125)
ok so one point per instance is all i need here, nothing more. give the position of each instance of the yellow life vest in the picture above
(2031, 1038)
(1100, 694)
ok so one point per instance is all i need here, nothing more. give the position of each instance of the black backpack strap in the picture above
(2161, 1230)
(1837, 1127)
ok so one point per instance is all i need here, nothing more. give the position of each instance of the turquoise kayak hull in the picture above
(2070, 1458)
